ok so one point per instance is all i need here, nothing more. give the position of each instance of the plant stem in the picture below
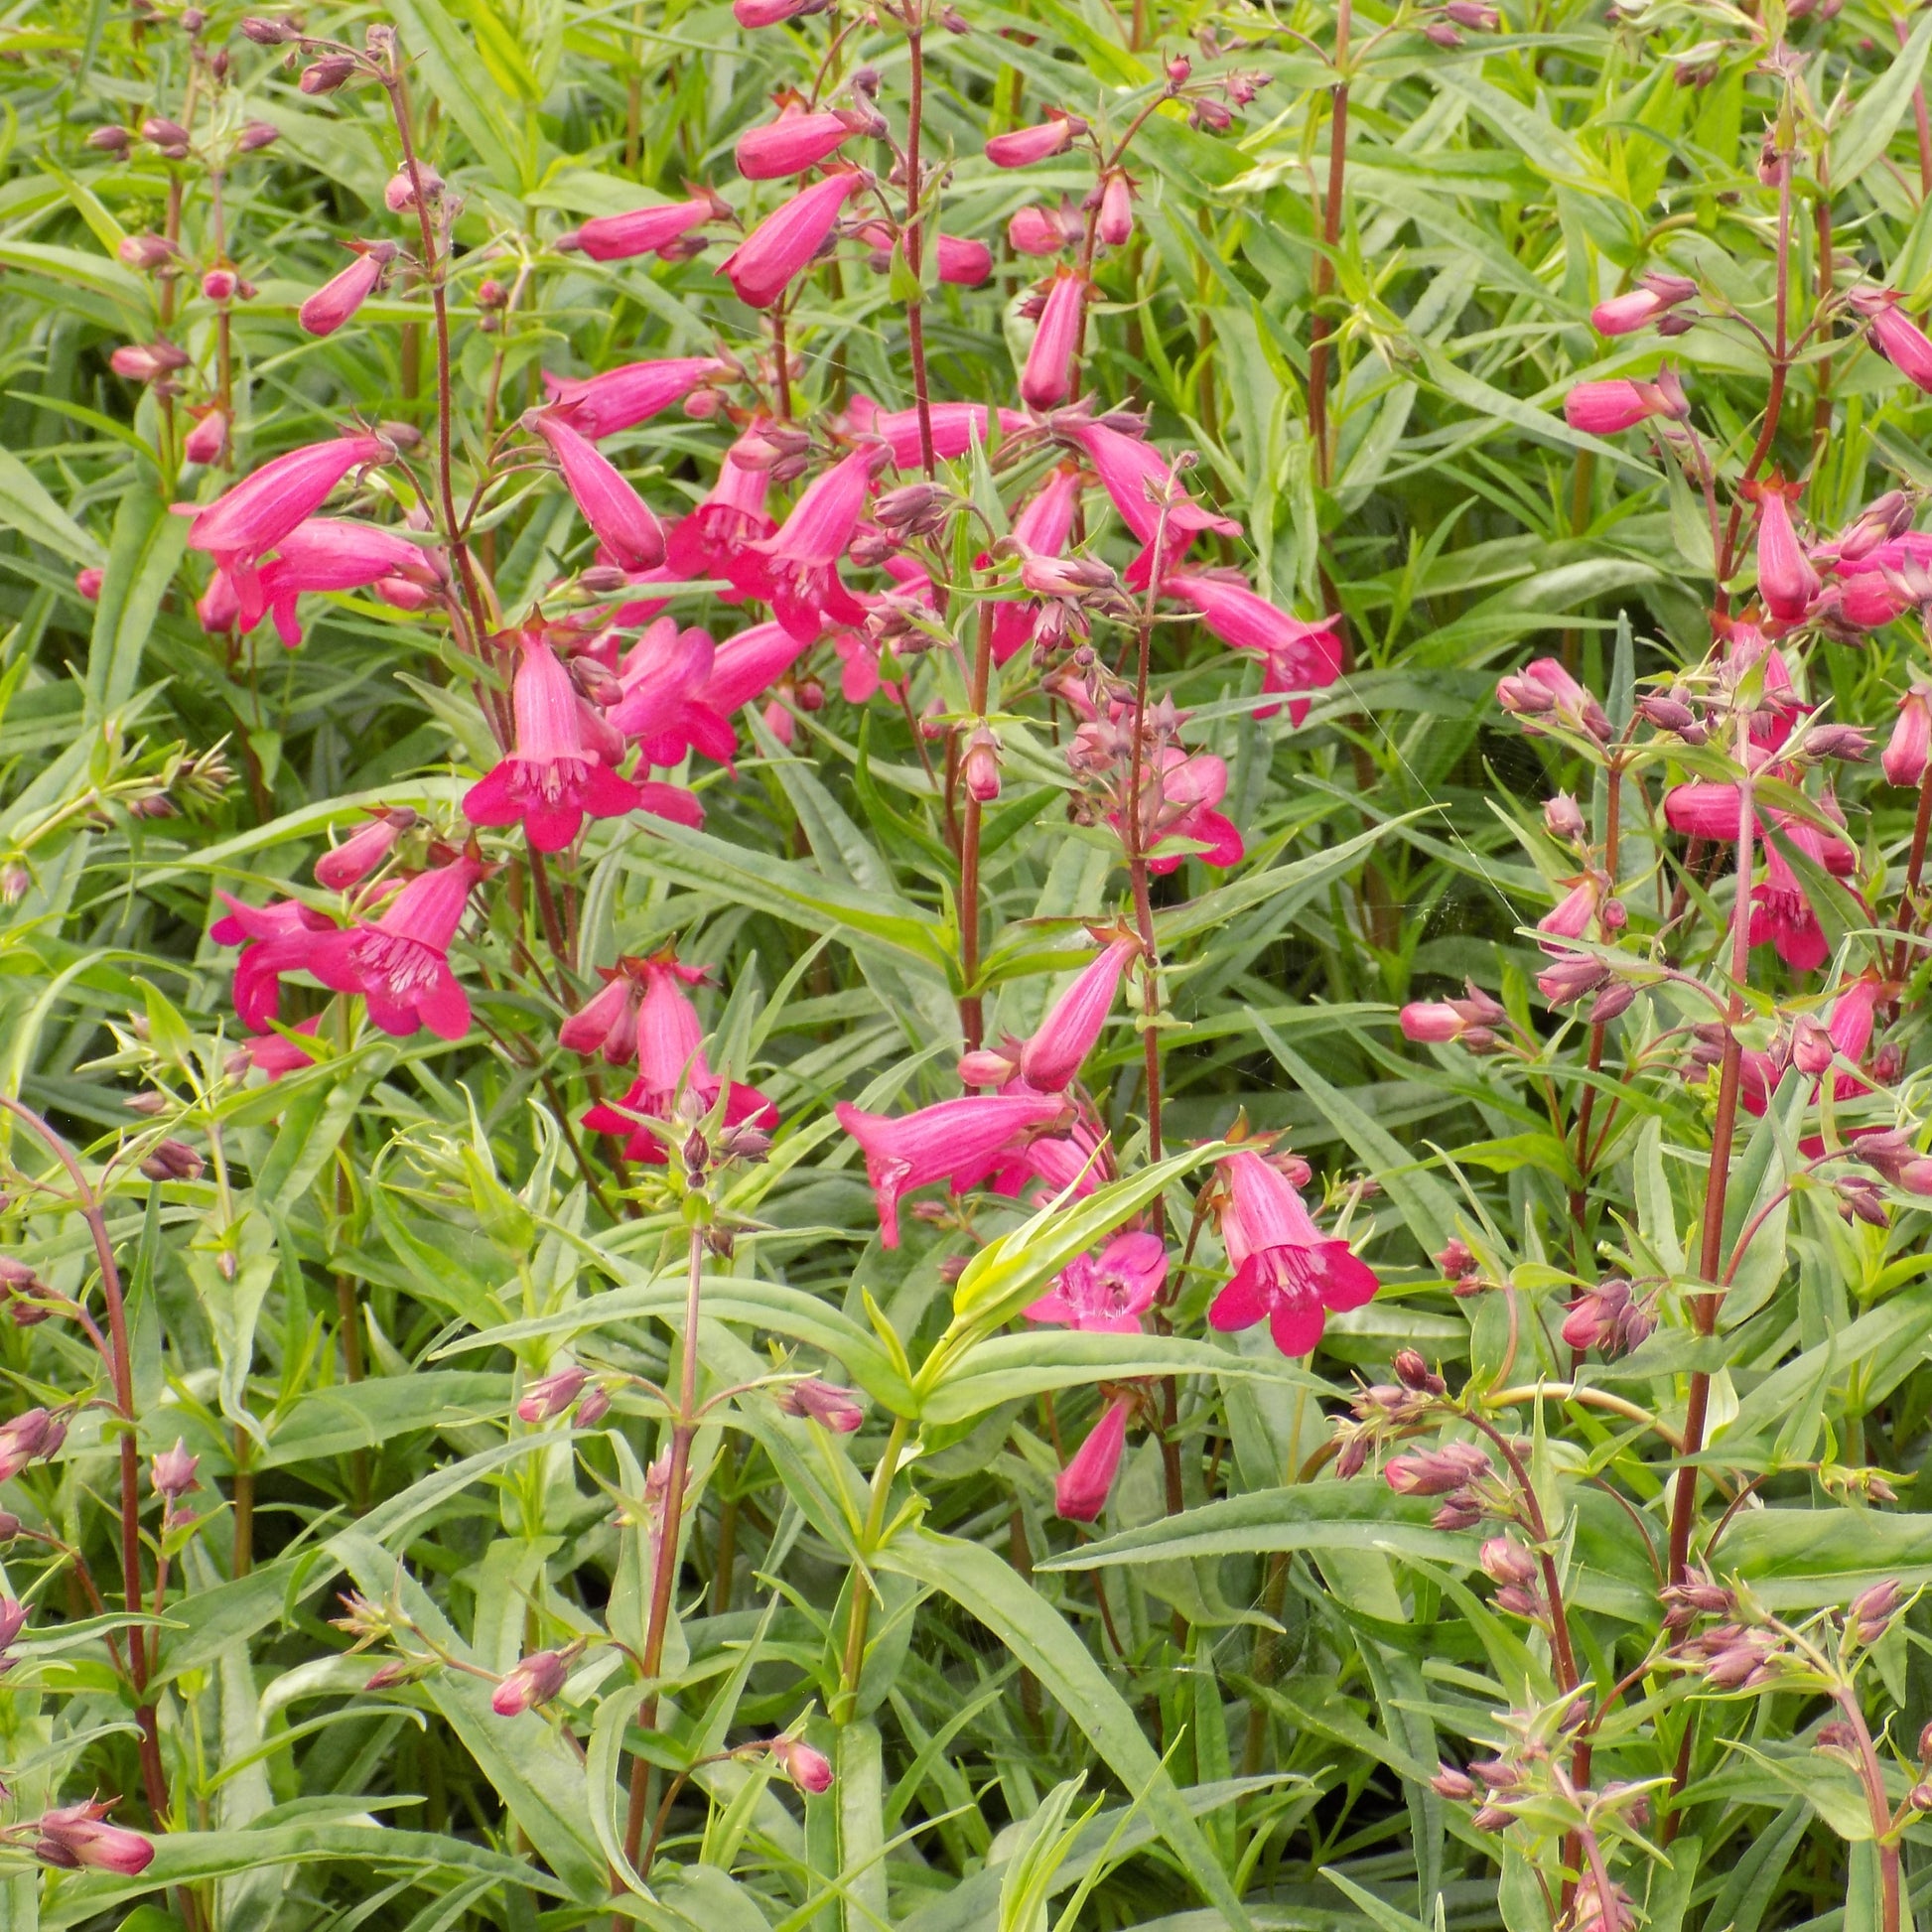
(914, 242)
(1780, 371)
(1319, 328)
(971, 1006)
(858, 1617)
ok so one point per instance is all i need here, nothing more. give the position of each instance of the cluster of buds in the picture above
(1443, 25)
(34, 1436)
(1460, 1474)
(1471, 1022)
(536, 1680)
(1515, 1573)
(28, 1300)
(1894, 1156)
(1386, 1410)
(1609, 1318)
(1462, 1270)
(1577, 976)
(74, 1837)
(554, 1394)
(824, 1403)
(172, 1160)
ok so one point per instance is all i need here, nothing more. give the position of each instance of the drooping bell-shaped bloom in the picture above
(1299, 656)
(75, 1837)
(1088, 1481)
(1604, 408)
(1026, 145)
(400, 962)
(671, 1058)
(664, 706)
(1286, 1273)
(1042, 232)
(1896, 335)
(1138, 482)
(954, 426)
(550, 782)
(277, 1054)
(251, 518)
(622, 398)
(956, 1141)
(1574, 912)
(795, 141)
(1114, 224)
(1041, 529)
(607, 1022)
(762, 267)
(715, 538)
(962, 263)
(208, 439)
(344, 867)
(745, 667)
(1047, 379)
(536, 1680)
(1179, 800)
(806, 589)
(643, 231)
(1655, 295)
(337, 300)
(621, 519)
(323, 554)
(1072, 1027)
(1786, 582)
(1106, 1293)
(274, 940)
(1910, 744)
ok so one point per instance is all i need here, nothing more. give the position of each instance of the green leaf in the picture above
(1878, 109)
(141, 561)
(26, 506)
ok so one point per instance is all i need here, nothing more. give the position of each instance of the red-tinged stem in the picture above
(915, 244)
(123, 1366)
(684, 1427)
(1781, 369)
(1561, 1653)
(781, 363)
(1914, 869)
(1319, 328)
(971, 1007)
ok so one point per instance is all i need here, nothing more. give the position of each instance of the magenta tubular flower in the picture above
(1115, 226)
(1071, 1029)
(745, 667)
(1896, 335)
(339, 298)
(328, 553)
(1604, 408)
(790, 145)
(622, 398)
(146, 361)
(806, 589)
(715, 538)
(550, 782)
(821, 1402)
(274, 940)
(1624, 314)
(207, 439)
(1574, 912)
(607, 1022)
(1907, 750)
(954, 426)
(550, 1395)
(619, 518)
(964, 263)
(1040, 231)
(955, 1140)
(1041, 529)
(1128, 470)
(1181, 804)
(1107, 1294)
(260, 510)
(671, 1058)
(276, 1054)
(1047, 379)
(1785, 579)
(74, 1836)
(400, 962)
(1026, 145)
(1088, 1481)
(1299, 656)
(344, 867)
(762, 267)
(643, 231)
(1285, 1271)
(664, 706)
(809, 1770)
(1430, 1023)
(534, 1681)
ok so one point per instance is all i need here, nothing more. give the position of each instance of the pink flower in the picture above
(73, 1836)
(172, 1473)
(809, 1770)
(745, 667)
(536, 1680)
(622, 398)
(1604, 408)
(261, 509)
(1430, 1023)
(1041, 529)
(217, 609)
(550, 782)
(207, 439)
(1115, 226)
(400, 962)
(607, 1022)
(1026, 145)
(664, 706)
(344, 867)
(806, 589)
(761, 267)
(752, 14)
(550, 1395)
(1088, 1481)
(1047, 379)
(1574, 911)
(792, 143)
(1178, 801)
(328, 553)
(715, 538)
(1041, 231)
(1299, 656)
(274, 940)
(964, 263)
(619, 518)
(338, 298)
(1896, 335)
(954, 426)
(1129, 470)
(146, 361)
(88, 582)
(1107, 1294)
(276, 1054)
(1655, 295)
(643, 231)
(1071, 1031)
(1906, 750)
(956, 1141)
(1543, 688)
(1285, 1271)
(30, 1433)
(671, 1058)
(1785, 579)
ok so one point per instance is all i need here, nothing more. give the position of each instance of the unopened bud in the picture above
(109, 140)
(324, 76)
(267, 33)
(1562, 818)
(1414, 1373)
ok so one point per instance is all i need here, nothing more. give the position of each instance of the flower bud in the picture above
(173, 1472)
(147, 252)
(1431, 1021)
(109, 140)
(1572, 978)
(1436, 1471)
(255, 136)
(809, 1770)
(172, 1161)
(1614, 1000)
(821, 1402)
(325, 76)
(1456, 1262)
(536, 1680)
(1562, 818)
(1414, 1373)
(981, 766)
(1871, 1611)
(1457, 1786)
(269, 33)
(400, 195)
(161, 133)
